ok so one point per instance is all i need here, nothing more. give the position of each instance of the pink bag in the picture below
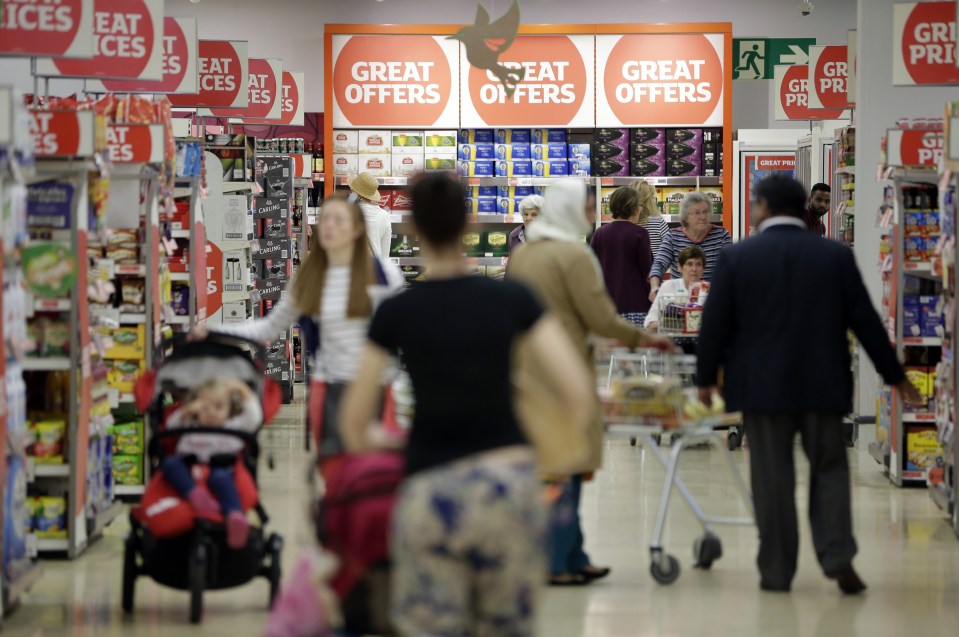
(303, 606)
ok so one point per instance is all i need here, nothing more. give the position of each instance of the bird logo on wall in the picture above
(485, 42)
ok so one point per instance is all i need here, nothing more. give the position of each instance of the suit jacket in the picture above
(776, 321)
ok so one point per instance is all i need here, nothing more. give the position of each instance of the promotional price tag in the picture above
(292, 102)
(135, 143)
(63, 28)
(264, 82)
(792, 96)
(924, 44)
(828, 77)
(62, 133)
(223, 66)
(914, 147)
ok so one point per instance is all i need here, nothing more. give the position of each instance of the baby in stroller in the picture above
(218, 402)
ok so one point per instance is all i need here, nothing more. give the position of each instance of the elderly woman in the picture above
(529, 207)
(692, 263)
(696, 230)
(650, 217)
(565, 276)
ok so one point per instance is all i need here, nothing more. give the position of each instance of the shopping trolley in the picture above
(647, 394)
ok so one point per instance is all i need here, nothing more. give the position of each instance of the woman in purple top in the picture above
(625, 255)
(529, 208)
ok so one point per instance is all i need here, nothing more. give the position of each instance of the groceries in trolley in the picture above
(682, 313)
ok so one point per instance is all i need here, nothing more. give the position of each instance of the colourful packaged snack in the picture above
(128, 470)
(50, 517)
(128, 438)
(50, 441)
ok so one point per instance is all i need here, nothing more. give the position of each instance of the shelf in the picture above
(180, 276)
(51, 305)
(922, 341)
(477, 218)
(180, 234)
(237, 186)
(913, 477)
(846, 170)
(104, 518)
(52, 544)
(51, 470)
(384, 181)
(230, 297)
(133, 319)
(130, 270)
(60, 363)
(922, 270)
(127, 490)
(919, 418)
(178, 320)
(661, 181)
(179, 193)
(494, 261)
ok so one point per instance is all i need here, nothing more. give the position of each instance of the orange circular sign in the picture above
(663, 79)
(929, 43)
(397, 80)
(551, 92)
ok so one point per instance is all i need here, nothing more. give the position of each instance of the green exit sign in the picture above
(756, 58)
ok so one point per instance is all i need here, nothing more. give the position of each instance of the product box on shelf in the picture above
(497, 243)
(923, 451)
(714, 135)
(650, 136)
(514, 169)
(128, 438)
(920, 379)
(911, 316)
(647, 151)
(712, 159)
(580, 168)
(549, 151)
(513, 136)
(272, 248)
(346, 165)
(129, 342)
(476, 168)
(548, 135)
(614, 136)
(400, 201)
(477, 136)
(272, 270)
(412, 274)
(49, 441)
(473, 244)
(602, 150)
(277, 352)
(270, 289)
(122, 375)
(273, 166)
(235, 312)
(579, 151)
(476, 152)
(404, 245)
(235, 218)
(610, 167)
(434, 162)
(691, 136)
(551, 168)
(440, 141)
(277, 186)
(715, 196)
(673, 199)
(475, 192)
(683, 167)
(513, 192)
(408, 142)
(913, 248)
(128, 470)
(507, 205)
(49, 204)
(376, 165)
(279, 370)
(50, 517)
(271, 207)
(931, 316)
(273, 228)
(375, 142)
(514, 152)
(407, 165)
(481, 205)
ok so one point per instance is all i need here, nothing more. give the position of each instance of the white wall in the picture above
(879, 105)
(293, 30)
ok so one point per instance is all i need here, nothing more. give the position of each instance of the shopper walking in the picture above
(625, 256)
(338, 284)
(379, 229)
(787, 368)
(529, 207)
(649, 215)
(817, 208)
(696, 230)
(469, 522)
(567, 278)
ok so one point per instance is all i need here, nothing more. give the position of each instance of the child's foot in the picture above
(202, 502)
(237, 530)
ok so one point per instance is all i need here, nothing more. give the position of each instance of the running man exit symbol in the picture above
(750, 60)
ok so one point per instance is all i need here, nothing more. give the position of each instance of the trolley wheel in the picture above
(733, 440)
(706, 550)
(665, 568)
(275, 573)
(129, 573)
(632, 441)
(197, 575)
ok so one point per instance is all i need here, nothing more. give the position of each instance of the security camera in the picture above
(806, 7)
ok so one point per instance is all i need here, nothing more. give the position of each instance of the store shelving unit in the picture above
(907, 272)
(842, 227)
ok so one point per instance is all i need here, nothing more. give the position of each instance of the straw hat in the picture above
(366, 186)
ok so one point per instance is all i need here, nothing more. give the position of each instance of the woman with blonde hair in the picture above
(650, 217)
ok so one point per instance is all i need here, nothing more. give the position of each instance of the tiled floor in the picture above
(908, 556)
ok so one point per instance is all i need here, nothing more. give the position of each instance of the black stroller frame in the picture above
(199, 560)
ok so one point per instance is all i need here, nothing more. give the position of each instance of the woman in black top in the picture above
(472, 482)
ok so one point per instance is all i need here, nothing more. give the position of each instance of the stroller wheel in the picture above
(197, 573)
(129, 572)
(275, 574)
(733, 439)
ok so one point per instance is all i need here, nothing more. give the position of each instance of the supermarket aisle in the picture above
(908, 556)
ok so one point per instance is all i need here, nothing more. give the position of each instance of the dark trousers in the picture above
(773, 475)
(220, 482)
(566, 534)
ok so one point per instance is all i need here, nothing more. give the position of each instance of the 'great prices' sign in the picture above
(660, 80)
(292, 99)
(556, 89)
(913, 147)
(127, 43)
(395, 80)
(264, 84)
(62, 133)
(179, 64)
(924, 43)
(135, 143)
(828, 77)
(792, 95)
(223, 68)
(63, 28)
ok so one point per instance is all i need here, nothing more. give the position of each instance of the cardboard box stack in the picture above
(521, 152)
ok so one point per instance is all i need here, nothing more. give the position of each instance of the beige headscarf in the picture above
(563, 216)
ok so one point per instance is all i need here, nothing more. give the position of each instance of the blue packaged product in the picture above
(514, 169)
(580, 168)
(508, 205)
(578, 151)
(476, 136)
(476, 152)
(15, 517)
(475, 192)
(548, 135)
(551, 168)
(514, 192)
(513, 136)
(476, 168)
(930, 316)
(911, 316)
(513, 151)
(484, 205)
(549, 151)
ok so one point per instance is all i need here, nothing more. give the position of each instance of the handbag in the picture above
(562, 446)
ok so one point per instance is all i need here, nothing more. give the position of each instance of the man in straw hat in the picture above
(379, 230)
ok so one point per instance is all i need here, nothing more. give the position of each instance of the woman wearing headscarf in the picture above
(566, 277)
(529, 207)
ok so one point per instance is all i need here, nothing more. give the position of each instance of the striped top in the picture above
(657, 229)
(676, 240)
(342, 339)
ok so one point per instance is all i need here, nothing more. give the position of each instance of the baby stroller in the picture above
(168, 541)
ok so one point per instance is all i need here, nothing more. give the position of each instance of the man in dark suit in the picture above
(779, 308)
